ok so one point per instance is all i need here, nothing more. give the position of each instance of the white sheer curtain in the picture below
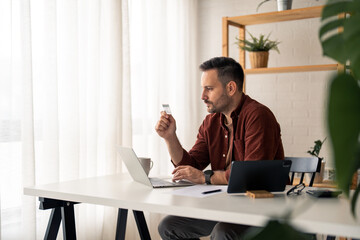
(64, 105)
(65, 98)
(164, 69)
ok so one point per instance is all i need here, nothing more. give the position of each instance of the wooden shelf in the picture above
(280, 16)
(307, 68)
(241, 22)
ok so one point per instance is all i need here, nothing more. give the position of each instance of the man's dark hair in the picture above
(228, 70)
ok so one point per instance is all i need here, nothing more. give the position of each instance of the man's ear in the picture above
(231, 88)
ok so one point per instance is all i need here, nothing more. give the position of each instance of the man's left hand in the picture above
(188, 173)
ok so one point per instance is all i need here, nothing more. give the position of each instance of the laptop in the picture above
(138, 174)
(269, 175)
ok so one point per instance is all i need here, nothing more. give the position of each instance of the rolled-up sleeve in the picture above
(198, 156)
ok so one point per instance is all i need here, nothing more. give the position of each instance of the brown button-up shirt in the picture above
(256, 137)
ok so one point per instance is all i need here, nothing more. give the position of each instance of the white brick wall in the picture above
(298, 100)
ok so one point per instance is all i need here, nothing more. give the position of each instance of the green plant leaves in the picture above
(352, 41)
(276, 230)
(344, 127)
(344, 96)
(341, 45)
(258, 44)
(316, 149)
(261, 4)
(333, 8)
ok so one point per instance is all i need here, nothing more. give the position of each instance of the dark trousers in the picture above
(173, 227)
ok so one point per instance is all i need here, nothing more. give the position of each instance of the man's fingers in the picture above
(164, 114)
(165, 122)
(176, 176)
(180, 175)
(182, 172)
(175, 170)
(178, 168)
(162, 124)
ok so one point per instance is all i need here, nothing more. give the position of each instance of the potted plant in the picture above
(258, 49)
(281, 4)
(315, 151)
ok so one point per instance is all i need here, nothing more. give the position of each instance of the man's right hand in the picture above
(166, 126)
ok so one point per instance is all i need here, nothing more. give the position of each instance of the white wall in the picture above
(298, 100)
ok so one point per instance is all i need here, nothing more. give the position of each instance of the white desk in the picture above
(325, 216)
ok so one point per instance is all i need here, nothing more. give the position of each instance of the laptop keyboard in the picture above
(158, 182)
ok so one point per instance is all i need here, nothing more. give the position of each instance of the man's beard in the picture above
(209, 109)
(222, 103)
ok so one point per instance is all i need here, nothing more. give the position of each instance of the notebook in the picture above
(269, 175)
(138, 174)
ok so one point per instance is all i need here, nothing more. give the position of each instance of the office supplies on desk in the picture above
(211, 191)
(324, 193)
(138, 173)
(296, 190)
(199, 191)
(269, 175)
(259, 194)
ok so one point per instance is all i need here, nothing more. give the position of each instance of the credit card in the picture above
(166, 108)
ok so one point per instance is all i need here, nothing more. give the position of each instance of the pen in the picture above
(212, 191)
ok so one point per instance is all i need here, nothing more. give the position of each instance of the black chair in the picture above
(304, 165)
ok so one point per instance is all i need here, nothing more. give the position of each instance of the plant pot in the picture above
(284, 5)
(259, 59)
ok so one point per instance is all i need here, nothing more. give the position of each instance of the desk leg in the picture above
(53, 225)
(68, 222)
(141, 224)
(61, 211)
(121, 224)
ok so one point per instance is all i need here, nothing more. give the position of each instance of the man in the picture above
(238, 128)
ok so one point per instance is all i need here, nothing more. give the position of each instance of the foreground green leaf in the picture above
(344, 98)
(344, 127)
(275, 230)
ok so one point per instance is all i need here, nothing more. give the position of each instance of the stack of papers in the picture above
(200, 191)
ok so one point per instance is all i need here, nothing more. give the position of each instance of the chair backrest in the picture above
(304, 165)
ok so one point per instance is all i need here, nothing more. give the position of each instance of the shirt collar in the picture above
(237, 111)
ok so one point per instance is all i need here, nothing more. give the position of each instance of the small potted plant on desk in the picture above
(258, 49)
(315, 151)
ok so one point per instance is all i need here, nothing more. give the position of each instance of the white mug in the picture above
(146, 163)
